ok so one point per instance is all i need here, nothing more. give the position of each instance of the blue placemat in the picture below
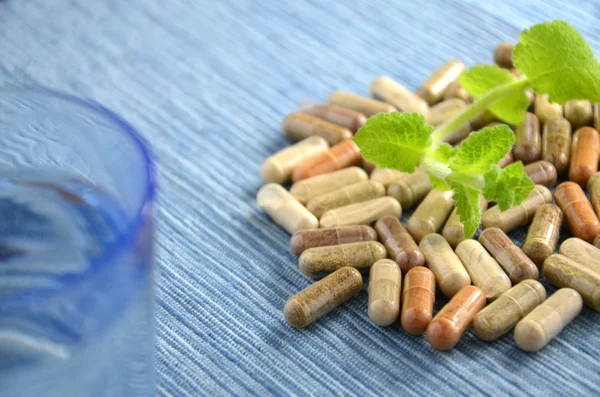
(208, 83)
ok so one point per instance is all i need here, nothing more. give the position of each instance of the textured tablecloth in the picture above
(208, 83)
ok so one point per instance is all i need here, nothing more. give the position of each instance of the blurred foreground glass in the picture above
(76, 236)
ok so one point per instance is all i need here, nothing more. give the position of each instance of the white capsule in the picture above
(284, 209)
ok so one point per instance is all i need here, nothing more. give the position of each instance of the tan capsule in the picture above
(597, 241)
(386, 176)
(431, 214)
(578, 250)
(578, 211)
(593, 188)
(347, 118)
(399, 244)
(298, 126)
(544, 110)
(385, 283)
(344, 154)
(528, 145)
(445, 110)
(284, 209)
(543, 233)
(320, 261)
(453, 320)
(556, 143)
(503, 55)
(410, 189)
(561, 272)
(458, 135)
(506, 160)
(278, 168)
(392, 92)
(449, 271)
(457, 91)
(482, 119)
(434, 88)
(361, 213)
(321, 297)
(454, 230)
(355, 193)
(530, 94)
(584, 155)
(366, 106)
(541, 173)
(321, 184)
(597, 116)
(519, 215)
(305, 239)
(579, 113)
(511, 258)
(418, 298)
(546, 321)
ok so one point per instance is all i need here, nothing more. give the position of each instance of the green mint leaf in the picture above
(438, 183)
(444, 153)
(467, 205)
(394, 140)
(480, 79)
(507, 186)
(558, 61)
(482, 149)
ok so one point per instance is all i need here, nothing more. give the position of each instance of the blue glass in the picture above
(77, 190)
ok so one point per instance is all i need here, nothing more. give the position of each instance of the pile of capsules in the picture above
(333, 202)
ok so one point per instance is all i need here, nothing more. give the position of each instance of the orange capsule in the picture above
(528, 142)
(453, 320)
(400, 245)
(298, 126)
(584, 155)
(347, 118)
(344, 154)
(541, 173)
(417, 300)
(577, 210)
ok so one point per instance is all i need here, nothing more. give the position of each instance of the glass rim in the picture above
(19, 301)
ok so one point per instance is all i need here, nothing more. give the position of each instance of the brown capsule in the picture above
(445, 110)
(457, 91)
(563, 272)
(367, 166)
(579, 113)
(434, 88)
(515, 262)
(544, 110)
(584, 155)
(320, 298)
(390, 91)
(503, 55)
(506, 160)
(342, 155)
(556, 143)
(347, 118)
(367, 106)
(578, 250)
(399, 244)
(482, 119)
(431, 214)
(418, 298)
(355, 193)
(458, 135)
(543, 233)
(410, 189)
(385, 283)
(298, 126)
(593, 187)
(454, 230)
(528, 146)
(305, 239)
(453, 320)
(578, 211)
(597, 116)
(541, 173)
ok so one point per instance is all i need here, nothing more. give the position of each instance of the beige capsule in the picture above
(386, 176)
(484, 271)
(556, 143)
(561, 272)
(410, 189)
(308, 188)
(579, 113)
(543, 234)
(355, 193)
(434, 88)
(284, 209)
(528, 141)
(392, 92)
(457, 91)
(458, 134)
(278, 167)
(361, 213)
(449, 271)
(369, 107)
(500, 316)
(298, 126)
(519, 215)
(503, 55)
(385, 283)
(593, 187)
(597, 116)
(318, 262)
(546, 321)
(544, 110)
(581, 251)
(482, 119)
(431, 214)
(445, 110)
(322, 297)
(454, 230)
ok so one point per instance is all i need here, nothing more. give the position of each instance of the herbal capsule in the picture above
(556, 143)
(546, 321)
(355, 193)
(584, 155)
(366, 106)
(504, 313)
(543, 233)
(528, 146)
(385, 282)
(515, 263)
(597, 116)
(453, 320)
(284, 209)
(541, 173)
(578, 250)
(482, 119)
(457, 91)
(544, 110)
(369, 167)
(390, 91)
(484, 271)
(593, 187)
(506, 160)
(342, 155)
(519, 215)
(597, 241)
(386, 176)
(410, 189)
(434, 88)
(305, 239)
(578, 211)
(458, 134)
(399, 244)
(278, 167)
(418, 298)
(449, 271)
(321, 184)
(503, 55)
(347, 118)
(361, 213)
(319, 261)
(454, 230)
(323, 296)
(298, 126)
(530, 98)
(431, 214)
(579, 113)
(561, 272)
(445, 110)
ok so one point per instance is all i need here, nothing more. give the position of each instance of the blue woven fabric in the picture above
(208, 83)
